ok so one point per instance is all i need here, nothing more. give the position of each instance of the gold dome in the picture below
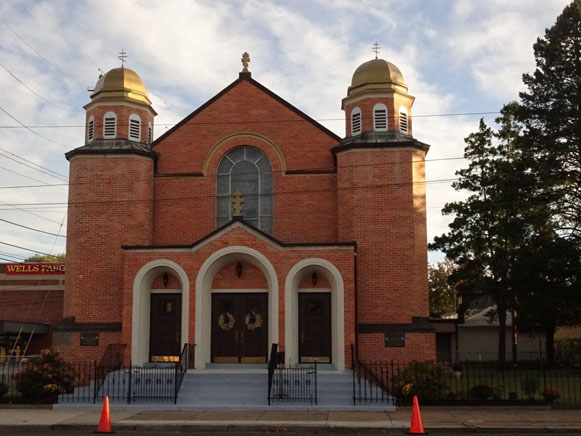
(121, 83)
(377, 71)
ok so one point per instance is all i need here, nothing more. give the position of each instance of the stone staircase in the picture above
(246, 389)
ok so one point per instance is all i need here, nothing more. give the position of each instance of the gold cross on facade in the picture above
(245, 59)
(237, 203)
(122, 56)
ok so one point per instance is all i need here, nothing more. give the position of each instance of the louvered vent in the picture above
(356, 123)
(149, 134)
(403, 122)
(380, 118)
(91, 130)
(110, 127)
(134, 129)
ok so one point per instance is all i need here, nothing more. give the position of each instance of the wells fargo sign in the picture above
(35, 268)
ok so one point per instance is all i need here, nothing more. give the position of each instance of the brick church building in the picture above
(248, 223)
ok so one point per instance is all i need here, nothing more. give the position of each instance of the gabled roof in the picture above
(237, 222)
(247, 77)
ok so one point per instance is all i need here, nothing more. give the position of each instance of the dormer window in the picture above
(380, 118)
(110, 125)
(403, 120)
(134, 127)
(355, 121)
(149, 133)
(91, 129)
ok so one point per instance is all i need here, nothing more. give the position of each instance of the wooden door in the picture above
(165, 327)
(239, 328)
(314, 327)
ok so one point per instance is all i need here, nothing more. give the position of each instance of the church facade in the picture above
(246, 224)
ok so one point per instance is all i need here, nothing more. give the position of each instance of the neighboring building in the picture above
(476, 338)
(246, 224)
(31, 306)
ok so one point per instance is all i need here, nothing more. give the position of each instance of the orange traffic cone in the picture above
(105, 421)
(416, 426)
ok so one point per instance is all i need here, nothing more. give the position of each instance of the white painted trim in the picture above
(141, 305)
(208, 270)
(291, 302)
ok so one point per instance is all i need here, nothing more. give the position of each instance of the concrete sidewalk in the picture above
(522, 419)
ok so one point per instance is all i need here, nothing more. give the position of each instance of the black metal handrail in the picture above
(112, 360)
(272, 364)
(181, 369)
(370, 382)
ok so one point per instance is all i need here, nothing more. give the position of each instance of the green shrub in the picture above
(44, 377)
(530, 385)
(3, 389)
(427, 380)
(513, 396)
(481, 393)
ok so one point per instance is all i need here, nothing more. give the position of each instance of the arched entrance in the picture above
(160, 296)
(227, 319)
(319, 307)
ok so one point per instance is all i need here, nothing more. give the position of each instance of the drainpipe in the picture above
(356, 302)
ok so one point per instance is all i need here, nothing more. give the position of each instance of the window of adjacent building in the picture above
(403, 120)
(149, 133)
(134, 127)
(380, 118)
(248, 171)
(110, 125)
(355, 121)
(91, 129)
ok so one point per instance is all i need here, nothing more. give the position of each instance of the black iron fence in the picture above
(49, 379)
(465, 383)
(290, 384)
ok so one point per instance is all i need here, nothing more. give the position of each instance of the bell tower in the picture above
(110, 205)
(381, 206)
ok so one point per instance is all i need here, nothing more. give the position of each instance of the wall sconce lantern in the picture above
(165, 279)
(239, 269)
(314, 278)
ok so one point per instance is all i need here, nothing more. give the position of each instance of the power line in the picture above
(34, 50)
(62, 176)
(33, 91)
(30, 129)
(199, 197)
(300, 120)
(31, 178)
(27, 249)
(28, 212)
(49, 185)
(32, 228)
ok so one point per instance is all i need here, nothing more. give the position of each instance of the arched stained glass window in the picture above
(248, 170)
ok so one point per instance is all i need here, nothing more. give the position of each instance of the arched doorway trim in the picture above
(204, 280)
(293, 278)
(141, 305)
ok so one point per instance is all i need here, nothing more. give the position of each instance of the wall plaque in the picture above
(395, 339)
(89, 339)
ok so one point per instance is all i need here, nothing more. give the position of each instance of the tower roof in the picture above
(121, 83)
(374, 76)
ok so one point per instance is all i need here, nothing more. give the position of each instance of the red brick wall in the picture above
(251, 277)
(418, 346)
(109, 206)
(42, 306)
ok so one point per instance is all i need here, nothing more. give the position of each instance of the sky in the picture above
(456, 56)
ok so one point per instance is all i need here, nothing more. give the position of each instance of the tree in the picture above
(46, 258)
(551, 113)
(442, 292)
(488, 226)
